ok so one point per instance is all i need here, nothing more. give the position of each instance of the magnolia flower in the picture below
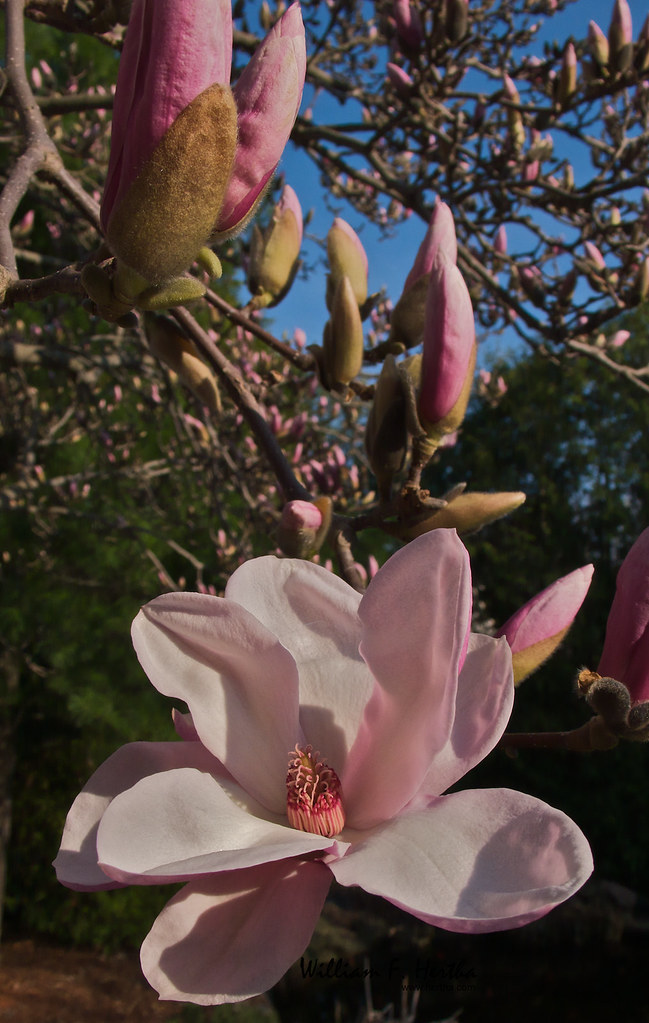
(323, 728)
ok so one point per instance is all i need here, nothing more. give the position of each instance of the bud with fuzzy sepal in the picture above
(449, 354)
(567, 84)
(347, 258)
(407, 320)
(303, 527)
(386, 434)
(167, 341)
(537, 629)
(598, 45)
(343, 337)
(274, 254)
(466, 513)
(620, 37)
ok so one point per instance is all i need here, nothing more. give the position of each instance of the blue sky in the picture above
(390, 259)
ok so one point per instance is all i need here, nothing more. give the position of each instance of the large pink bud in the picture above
(626, 648)
(449, 350)
(268, 97)
(538, 627)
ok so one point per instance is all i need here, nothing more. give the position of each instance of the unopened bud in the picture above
(274, 252)
(343, 336)
(386, 436)
(568, 76)
(467, 513)
(620, 37)
(347, 258)
(300, 529)
(514, 117)
(456, 18)
(169, 344)
(597, 45)
(537, 629)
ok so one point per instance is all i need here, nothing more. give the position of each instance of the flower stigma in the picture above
(314, 800)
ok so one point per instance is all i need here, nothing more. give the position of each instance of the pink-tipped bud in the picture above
(500, 241)
(400, 79)
(620, 37)
(567, 84)
(347, 258)
(268, 97)
(595, 256)
(274, 253)
(449, 351)
(407, 320)
(625, 656)
(174, 135)
(536, 630)
(597, 44)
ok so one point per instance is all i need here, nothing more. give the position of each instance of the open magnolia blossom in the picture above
(323, 729)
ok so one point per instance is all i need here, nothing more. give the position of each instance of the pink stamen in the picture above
(314, 800)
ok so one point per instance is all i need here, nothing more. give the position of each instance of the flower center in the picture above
(314, 799)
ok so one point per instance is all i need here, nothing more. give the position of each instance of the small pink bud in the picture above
(536, 630)
(301, 515)
(400, 79)
(594, 255)
(500, 241)
(625, 656)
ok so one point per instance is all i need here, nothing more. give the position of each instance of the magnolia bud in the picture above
(343, 336)
(347, 258)
(537, 629)
(274, 253)
(467, 513)
(386, 435)
(169, 344)
(407, 320)
(449, 352)
(598, 45)
(456, 17)
(568, 76)
(514, 117)
(620, 37)
(298, 529)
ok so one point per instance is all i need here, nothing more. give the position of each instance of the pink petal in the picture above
(415, 616)
(268, 97)
(625, 656)
(485, 696)
(184, 823)
(475, 861)
(232, 936)
(76, 864)
(314, 614)
(240, 684)
(174, 50)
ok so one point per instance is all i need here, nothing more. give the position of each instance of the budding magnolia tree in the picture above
(326, 717)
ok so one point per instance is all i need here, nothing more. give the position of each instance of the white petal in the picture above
(185, 823)
(228, 937)
(314, 615)
(479, 860)
(239, 682)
